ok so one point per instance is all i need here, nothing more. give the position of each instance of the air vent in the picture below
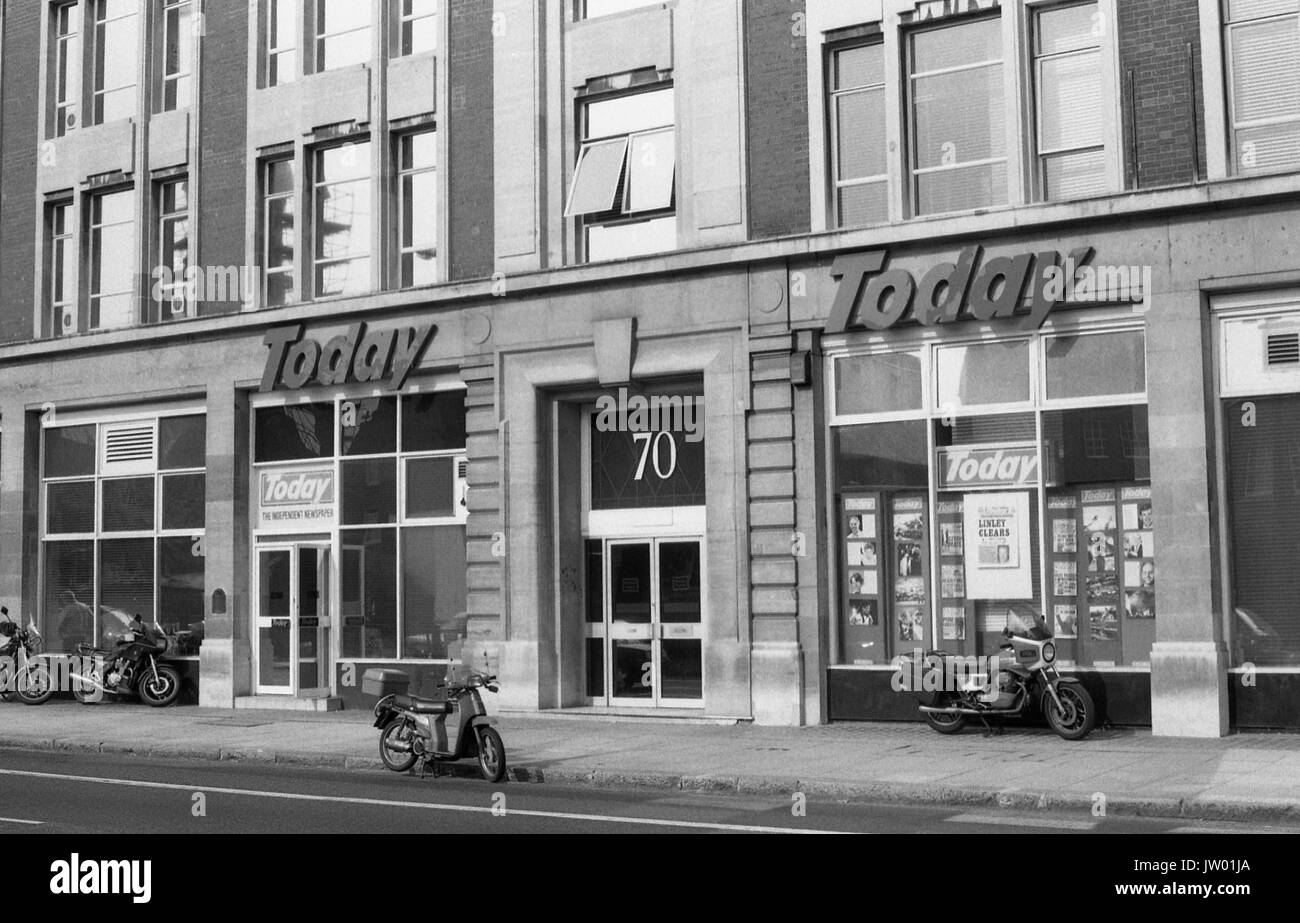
(1282, 348)
(461, 509)
(129, 448)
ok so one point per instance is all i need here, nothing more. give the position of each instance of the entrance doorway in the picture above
(293, 619)
(644, 643)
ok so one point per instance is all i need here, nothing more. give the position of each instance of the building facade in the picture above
(695, 358)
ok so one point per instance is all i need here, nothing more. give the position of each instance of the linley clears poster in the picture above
(997, 546)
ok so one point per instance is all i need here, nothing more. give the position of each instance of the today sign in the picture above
(967, 469)
(294, 361)
(295, 499)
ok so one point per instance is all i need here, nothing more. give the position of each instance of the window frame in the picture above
(163, 220)
(56, 310)
(314, 155)
(833, 96)
(276, 34)
(93, 248)
(67, 54)
(98, 91)
(266, 197)
(318, 37)
(174, 83)
(1234, 159)
(399, 249)
(398, 22)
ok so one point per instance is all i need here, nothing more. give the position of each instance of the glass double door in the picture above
(293, 619)
(644, 633)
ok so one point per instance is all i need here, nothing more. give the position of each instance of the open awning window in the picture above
(596, 177)
(651, 164)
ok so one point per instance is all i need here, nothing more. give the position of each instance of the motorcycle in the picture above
(1026, 677)
(436, 730)
(131, 668)
(20, 652)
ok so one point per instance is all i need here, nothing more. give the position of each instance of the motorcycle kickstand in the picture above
(988, 730)
(428, 767)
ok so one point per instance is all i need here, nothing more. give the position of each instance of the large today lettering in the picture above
(949, 292)
(356, 355)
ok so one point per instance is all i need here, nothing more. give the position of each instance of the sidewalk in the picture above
(1252, 777)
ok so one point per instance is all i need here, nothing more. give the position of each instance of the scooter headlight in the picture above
(1049, 652)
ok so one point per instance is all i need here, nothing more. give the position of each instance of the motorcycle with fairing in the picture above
(132, 667)
(1022, 678)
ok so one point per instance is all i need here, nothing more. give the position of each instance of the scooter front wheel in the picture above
(395, 747)
(491, 754)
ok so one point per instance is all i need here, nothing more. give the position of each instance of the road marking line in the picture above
(17, 820)
(419, 805)
(1021, 821)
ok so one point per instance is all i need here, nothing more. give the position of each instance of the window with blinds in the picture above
(1262, 42)
(1070, 130)
(859, 148)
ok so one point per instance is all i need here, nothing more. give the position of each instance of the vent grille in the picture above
(462, 468)
(129, 447)
(1282, 348)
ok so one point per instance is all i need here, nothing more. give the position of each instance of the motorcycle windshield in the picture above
(1024, 621)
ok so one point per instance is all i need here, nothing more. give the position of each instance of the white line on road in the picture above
(18, 820)
(1053, 822)
(418, 805)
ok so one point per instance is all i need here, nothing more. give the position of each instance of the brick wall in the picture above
(776, 117)
(19, 147)
(223, 96)
(469, 127)
(1153, 40)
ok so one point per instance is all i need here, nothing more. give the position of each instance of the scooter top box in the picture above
(381, 682)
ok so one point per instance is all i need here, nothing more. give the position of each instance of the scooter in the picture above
(23, 672)
(1026, 677)
(450, 727)
(131, 668)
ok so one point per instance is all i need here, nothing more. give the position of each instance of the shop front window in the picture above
(123, 528)
(953, 517)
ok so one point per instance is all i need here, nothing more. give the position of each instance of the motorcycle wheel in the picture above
(160, 689)
(35, 685)
(1078, 715)
(491, 754)
(83, 686)
(945, 724)
(396, 760)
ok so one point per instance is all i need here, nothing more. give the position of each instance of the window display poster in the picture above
(1067, 620)
(996, 528)
(953, 581)
(863, 636)
(1065, 579)
(911, 623)
(950, 537)
(954, 623)
(1103, 623)
(1063, 536)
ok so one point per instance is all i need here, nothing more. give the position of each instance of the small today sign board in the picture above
(980, 468)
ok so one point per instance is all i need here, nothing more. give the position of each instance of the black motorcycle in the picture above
(23, 672)
(131, 668)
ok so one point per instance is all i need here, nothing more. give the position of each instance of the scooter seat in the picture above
(422, 706)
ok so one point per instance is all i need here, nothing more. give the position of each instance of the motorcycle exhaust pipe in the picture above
(931, 710)
(399, 746)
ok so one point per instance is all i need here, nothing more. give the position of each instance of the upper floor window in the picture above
(418, 195)
(178, 53)
(958, 137)
(415, 26)
(61, 248)
(341, 218)
(1263, 50)
(1070, 130)
(112, 263)
(67, 67)
(623, 184)
(116, 59)
(173, 206)
(342, 31)
(278, 231)
(590, 9)
(281, 42)
(858, 144)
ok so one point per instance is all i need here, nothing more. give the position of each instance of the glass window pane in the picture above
(369, 426)
(369, 491)
(1265, 76)
(433, 592)
(126, 505)
(622, 115)
(70, 507)
(182, 442)
(1069, 101)
(341, 15)
(342, 220)
(1096, 444)
(859, 67)
(882, 455)
(1249, 9)
(119, 58)
(369, 587)
(651, 159)
(279, 288)
(594, 8)
(69, 451)
(293, 431)
(953, 46)
(878, 384)
(1106, 363)
(433, 422)
(1269, 147)
(279, 233)
(430, 487)
(961, 189)
(420, 151)
(618, 241)
(863, 203)
(69, 594)
(959, 117)
(126, 586)
(279, 176)
(181, 595)
(1066, 28)
(595, 179)
(345, 278)
(343, 50)
(1075, 176)
(860, 134)
(987, 373)
(184, 501)
(343, 162)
